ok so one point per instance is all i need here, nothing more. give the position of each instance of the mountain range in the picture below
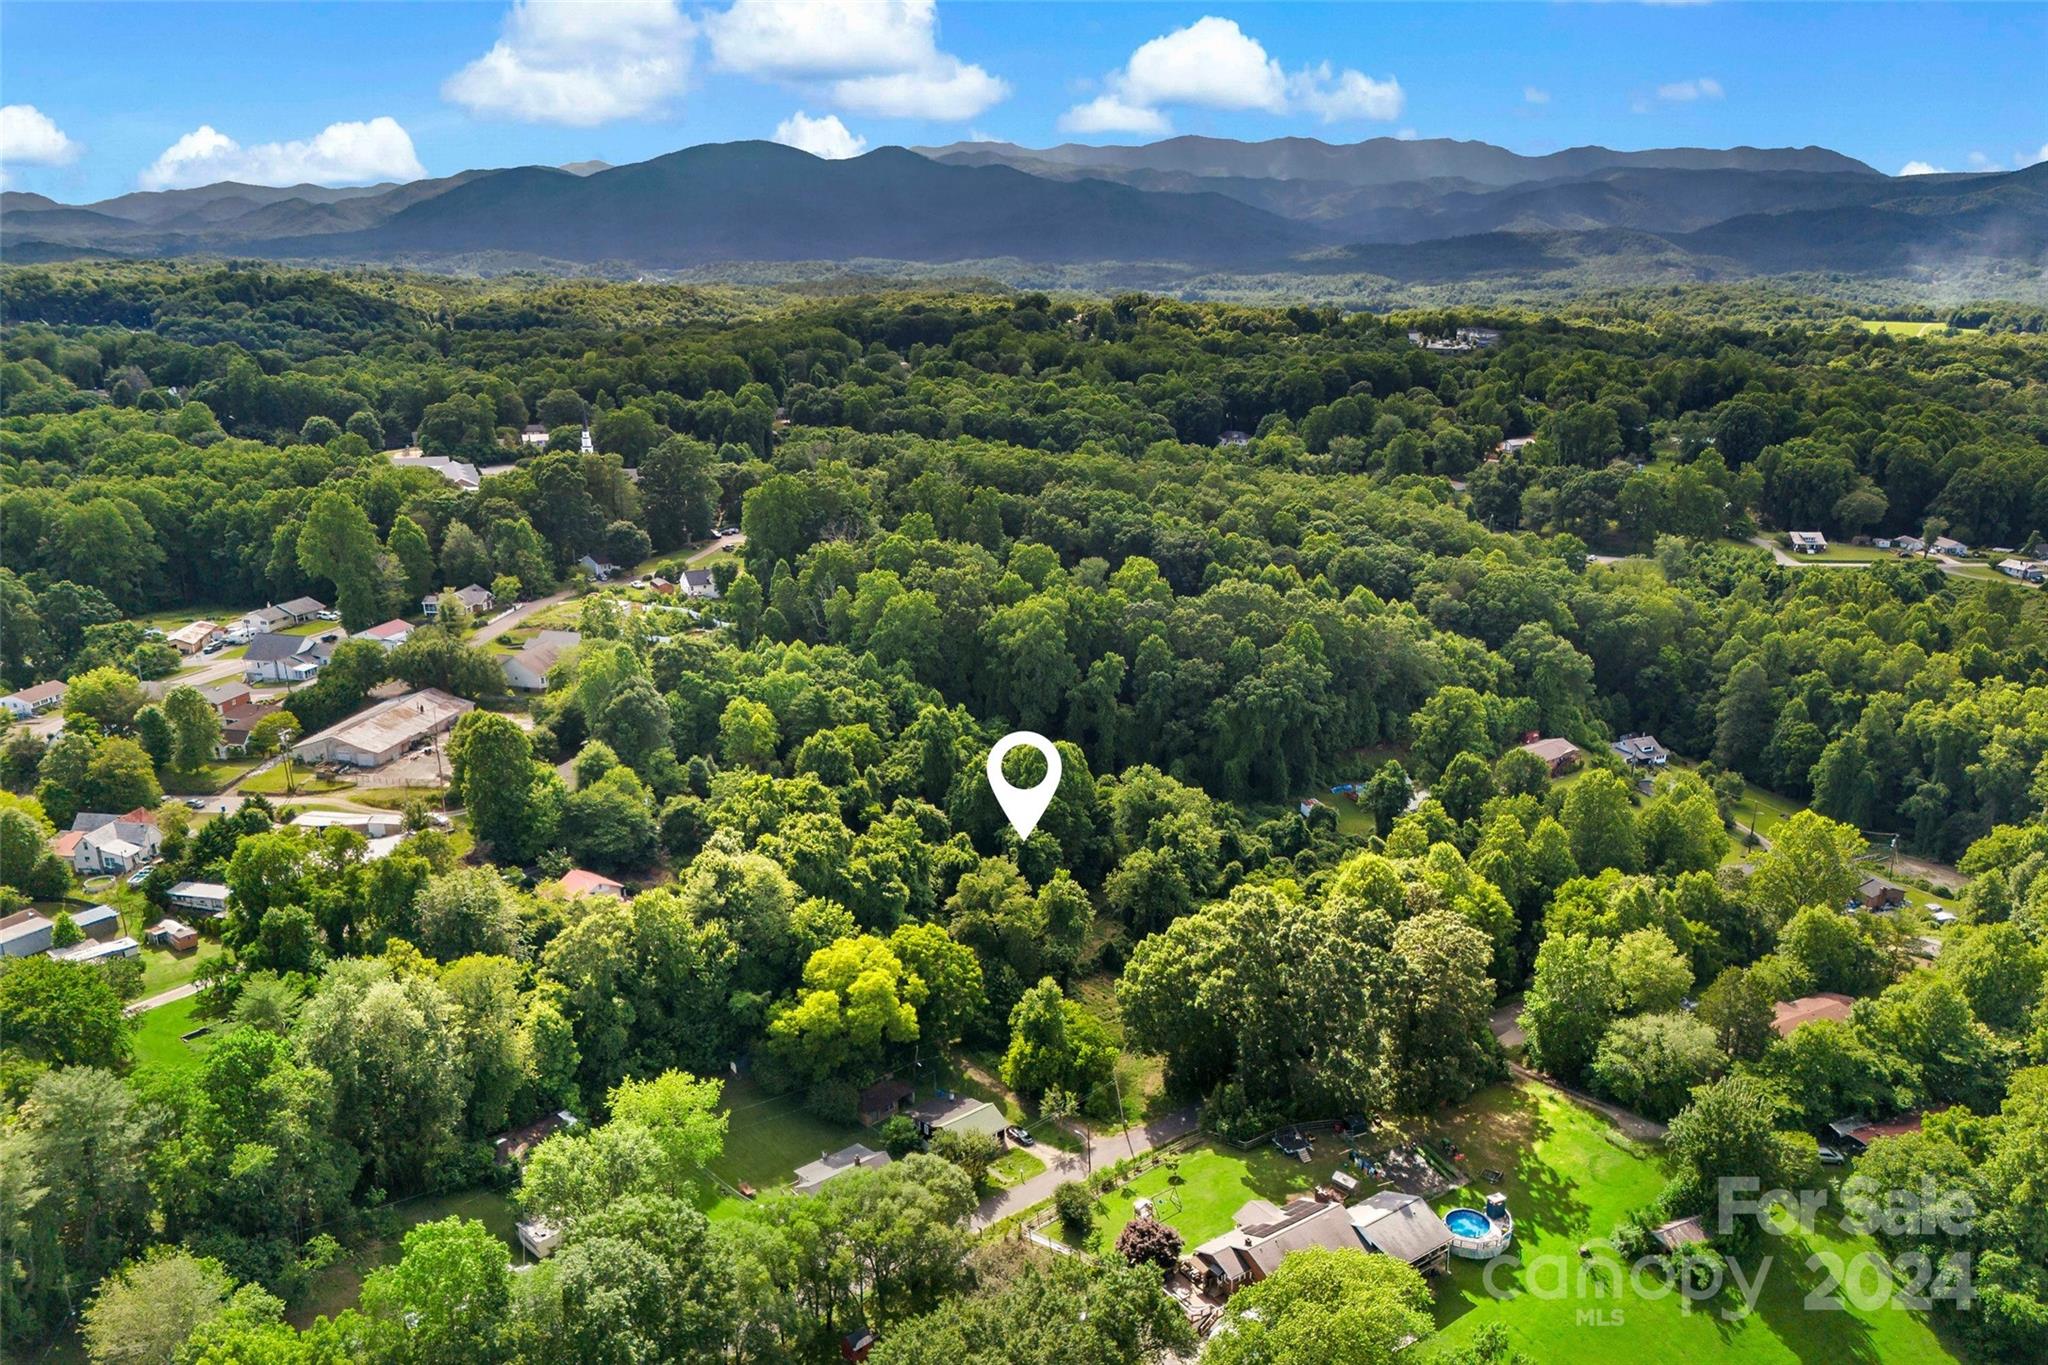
(1426, 209)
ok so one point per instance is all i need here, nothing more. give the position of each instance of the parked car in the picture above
(1020, 1135)
(1830, 1157)
(214, 647)
(196, 802)
(326, 616)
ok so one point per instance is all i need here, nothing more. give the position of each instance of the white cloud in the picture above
(557, 61)
(948, 89)
(826, 137)
(879, 56)
(1922, 168)
(340, 154)
(1349, 95)
(2026, 159)
(1108, 114)
(1532, 95)
(29, 137)
(1979, 161)
(1685, 92)
(1407, 135)
(1214, 64)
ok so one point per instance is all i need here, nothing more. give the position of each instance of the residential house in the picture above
(576, 882)
(303, 609)
(477, 601)
(176, 935)
(1876, 894)
(1807, 542)
(113, 845)
(238, 720)
(1790, 1015)
(1234, 439)
(362, 822)
(263, 621)
(881, 1100)
(102, 921)
(33, 701)
(699, 583)
(202, 898)
(1403, 1226)
(528, 669)
(461, 473)
(24, 934)
(222, 695)
(958, 1114)
(1948, 545)
(812, 1176)
(391, 634)
(373, 737)
(1641, 751)
(1912, 544)
(1514, 445)
(1559, 755)
(96, 950)
(191, 639)
(1264, 1237)
(2026, 570)
(534, 435)
(289, 658)
(598, 570)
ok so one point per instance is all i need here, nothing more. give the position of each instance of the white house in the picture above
(202, 898)
(1948, 545)
(391, 634)
(195, 637)
(1808, 542)
(528, 669)
(289, 658)
(2026, 570)
(534, 435)
(33, 701)
(699, 583)
(475, 600)
(263, 620)
(111, 844)
(461, 473)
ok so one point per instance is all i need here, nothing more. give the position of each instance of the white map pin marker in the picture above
(1024, 805)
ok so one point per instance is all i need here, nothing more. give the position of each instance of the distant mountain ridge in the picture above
(1182, 208)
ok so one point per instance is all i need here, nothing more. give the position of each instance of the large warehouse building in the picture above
(372, 738)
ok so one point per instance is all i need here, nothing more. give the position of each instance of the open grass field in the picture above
(209, 778)
(304, 782)
(766, 1138)
(1198, 1191)
(163, 969)
(1761, 810)
(1569, 1179)
(157, 1035)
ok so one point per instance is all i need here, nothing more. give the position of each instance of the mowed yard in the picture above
(159, 1034)
(1198, 1190)
(766, 1138)
(1569, 1179)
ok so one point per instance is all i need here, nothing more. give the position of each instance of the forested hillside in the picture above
(1229, 558)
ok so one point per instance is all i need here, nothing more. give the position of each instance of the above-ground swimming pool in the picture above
(1468, 1223)
(1478, 1235)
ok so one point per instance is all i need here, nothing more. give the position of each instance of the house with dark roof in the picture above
(1877, 894)
(288, 658)
(1405, 1227)
(699, 583)
(1641, 751)
(1264, 1237)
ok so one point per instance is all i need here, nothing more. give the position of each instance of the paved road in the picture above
(498, 625)
(163, 998)
(1061, 1167)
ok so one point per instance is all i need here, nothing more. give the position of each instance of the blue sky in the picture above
(103, 99)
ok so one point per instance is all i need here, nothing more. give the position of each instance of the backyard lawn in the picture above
(766, 1138)
(158, 1034)
(163, 969)
(1761, 810)
(304, 781)
(1198, 1191)
(339, 1285)
(1569, 1179)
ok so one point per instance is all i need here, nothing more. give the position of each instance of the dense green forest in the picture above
(1227, 556)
